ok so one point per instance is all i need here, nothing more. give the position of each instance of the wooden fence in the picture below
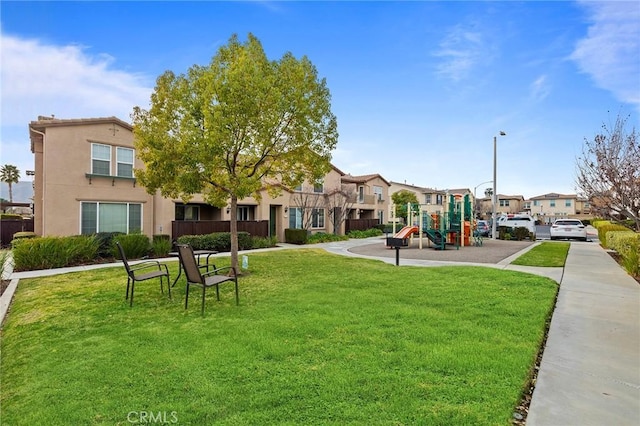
(259, 228)
(8, 227)
(359, 224)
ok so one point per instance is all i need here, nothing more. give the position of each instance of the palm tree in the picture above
(10, 174)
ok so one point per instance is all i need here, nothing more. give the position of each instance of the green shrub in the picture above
(263, 242)
(520, 233)
(323, 237)
(373, 232)
(4, 259)
(22, 235)
(135, 246)
(53, 252)
(10, 216)
(161, 245)
(295, 236)
(608, 227)
(218, 241)
(105, 243)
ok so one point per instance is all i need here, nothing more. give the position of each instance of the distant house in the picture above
(85, 183)
(549, 207)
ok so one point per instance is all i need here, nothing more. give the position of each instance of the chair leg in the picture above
(133, 286)
(186, 297)
(204, 289)
(128, 283)
(168, 286)
(218, 292)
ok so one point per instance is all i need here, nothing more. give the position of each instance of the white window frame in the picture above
(97, 218)
(317, 219)
(93, 157)
(118, 161)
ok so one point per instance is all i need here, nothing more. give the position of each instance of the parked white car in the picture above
(568, 228)
(517, 221)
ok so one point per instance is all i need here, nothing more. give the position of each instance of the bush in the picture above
(53, 252)
(608, 227)
(23, 234)
(161, 245)
(323, 237)
(135, 246)
(373, 232)
(10, 216)
(218, 241)
(520, 233)
(263, 242)
(105, 243)
(295, 236)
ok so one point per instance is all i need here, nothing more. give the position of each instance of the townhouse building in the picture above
(548, 207)
(84, 182)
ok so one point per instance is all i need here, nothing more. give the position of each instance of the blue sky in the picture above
(419, 88)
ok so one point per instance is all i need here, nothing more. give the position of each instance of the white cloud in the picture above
(461, 50)
(540, 89)
(610, 51)
(44, 79)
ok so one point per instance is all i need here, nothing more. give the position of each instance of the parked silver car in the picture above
(568, 228)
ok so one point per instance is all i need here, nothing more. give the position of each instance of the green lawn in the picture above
(317, 339)
(546, 254)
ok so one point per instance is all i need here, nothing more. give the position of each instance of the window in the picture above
(187, 212)
(317, 218)
(552, 203)
(318, 188)
(427, 199)
(361, 194)
(110, 217)
(381, 216)
(536, 203)
(567, 203)
(295, 218)
(377, 190)
(242, 213)
(100, 159)
(124, 162)
(504, 203)
(439, 198)
(298, 188)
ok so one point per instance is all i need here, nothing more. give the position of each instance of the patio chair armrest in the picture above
(148, 264)
(224, 268)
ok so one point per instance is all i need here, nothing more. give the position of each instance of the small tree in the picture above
(229, 129)
(308, 203)
(339, 202)
(10, 174)
(608, 172)
(400, 199)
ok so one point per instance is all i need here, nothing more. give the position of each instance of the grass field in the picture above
(317, 339)
(546, 254)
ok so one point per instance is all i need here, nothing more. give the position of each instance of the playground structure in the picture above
(452, 226)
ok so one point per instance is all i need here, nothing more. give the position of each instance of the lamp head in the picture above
(502, 133)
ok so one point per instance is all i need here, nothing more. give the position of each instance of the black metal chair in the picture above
(143, 271)
(210, 278)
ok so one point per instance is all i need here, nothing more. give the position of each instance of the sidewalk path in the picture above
(590, 370)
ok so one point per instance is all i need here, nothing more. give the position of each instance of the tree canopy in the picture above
(400, 199)
(608, 172)
(236, 126)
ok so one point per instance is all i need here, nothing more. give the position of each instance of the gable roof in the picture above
(363, 178)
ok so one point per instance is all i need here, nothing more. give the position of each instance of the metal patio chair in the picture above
(210, 278)
(143, 271)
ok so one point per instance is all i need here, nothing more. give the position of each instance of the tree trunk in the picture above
(234, 232)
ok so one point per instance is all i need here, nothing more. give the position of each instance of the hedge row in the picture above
(624, 241)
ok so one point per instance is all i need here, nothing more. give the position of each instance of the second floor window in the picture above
(552, 203)
(504, 203)
(567, 203)
(377, 190)
(439, 198)
(100, 159)
(427, 199)
(124, 159)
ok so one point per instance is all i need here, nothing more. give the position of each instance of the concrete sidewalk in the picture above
(590, 371)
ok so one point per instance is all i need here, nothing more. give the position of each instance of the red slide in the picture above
(406, 231)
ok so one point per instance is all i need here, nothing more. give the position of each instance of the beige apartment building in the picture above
(85, 183)
(431, 200)
(549, 207)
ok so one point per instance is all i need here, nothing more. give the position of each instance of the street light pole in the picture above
(475, 200)
(495, 193)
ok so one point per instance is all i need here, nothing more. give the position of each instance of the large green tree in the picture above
(400, 200)
(10, 174)
(238, 125)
